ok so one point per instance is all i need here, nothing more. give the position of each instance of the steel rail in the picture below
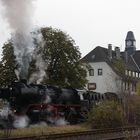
(74, 134)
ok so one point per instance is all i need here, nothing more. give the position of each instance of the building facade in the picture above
(110, 70)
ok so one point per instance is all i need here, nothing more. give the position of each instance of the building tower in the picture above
(130, 43)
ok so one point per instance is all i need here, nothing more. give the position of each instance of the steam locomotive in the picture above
(46, 103)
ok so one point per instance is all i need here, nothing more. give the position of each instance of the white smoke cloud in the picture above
(21, 121)
(41, 65)
(61, 121)
(19, 14)
(4, 109)
(57, 121)
(38, 76)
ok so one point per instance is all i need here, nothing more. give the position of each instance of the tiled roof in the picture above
(100, 54)
(96, 55)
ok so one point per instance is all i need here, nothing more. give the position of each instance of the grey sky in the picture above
(89, 22)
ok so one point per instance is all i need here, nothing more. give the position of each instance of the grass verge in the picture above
(43, 130)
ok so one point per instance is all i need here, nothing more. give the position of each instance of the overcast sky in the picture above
(90, 23)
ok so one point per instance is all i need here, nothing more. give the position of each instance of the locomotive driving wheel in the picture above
(72, 115)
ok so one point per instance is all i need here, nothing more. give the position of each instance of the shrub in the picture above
(105, 115)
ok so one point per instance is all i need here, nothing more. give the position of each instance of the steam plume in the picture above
(41, 65)
(21, 121)
(19, 15)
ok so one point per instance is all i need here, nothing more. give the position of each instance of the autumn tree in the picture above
(63, 59)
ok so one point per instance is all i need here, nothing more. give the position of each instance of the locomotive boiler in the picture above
(20, 95)
(42, 102)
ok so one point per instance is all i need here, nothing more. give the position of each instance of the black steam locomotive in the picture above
(47, 103)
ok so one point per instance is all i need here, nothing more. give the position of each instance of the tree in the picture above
(119, 66)
(63, 59)
(134, 109)
(7, 65)
(60, 55)
(105, 115)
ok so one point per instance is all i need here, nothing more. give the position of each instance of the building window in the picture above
(130, 73)
(126, 72)
(91, 72)
(134, 74)
(100, 71)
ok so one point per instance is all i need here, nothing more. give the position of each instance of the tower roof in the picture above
(130, 36)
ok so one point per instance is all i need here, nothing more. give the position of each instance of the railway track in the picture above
(100, 134)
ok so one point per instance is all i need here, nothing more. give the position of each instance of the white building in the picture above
(111, 70)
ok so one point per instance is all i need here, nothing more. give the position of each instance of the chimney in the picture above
(126, 56)
(117, 51)
(110, 51)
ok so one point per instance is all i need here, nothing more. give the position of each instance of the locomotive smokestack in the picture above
(23, 81)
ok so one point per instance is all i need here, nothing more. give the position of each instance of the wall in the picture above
(108, 82)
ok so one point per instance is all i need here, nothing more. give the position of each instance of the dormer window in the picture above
(91, 72)
(93, 56)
